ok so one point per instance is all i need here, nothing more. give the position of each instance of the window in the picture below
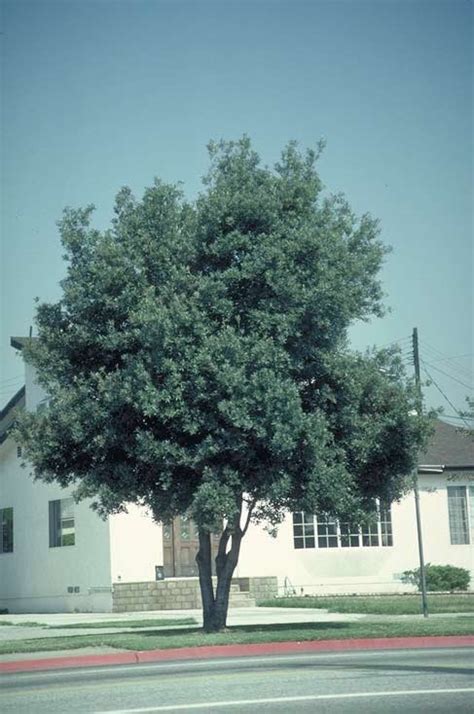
(370, 533)
(324, 531)
(350, 536)
(458, 515)
(19, 451)
(303, 530)
(6, 530)
(61, 523)
(327, 532)
(386, 525)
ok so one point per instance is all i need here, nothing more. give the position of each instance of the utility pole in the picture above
(416, 362)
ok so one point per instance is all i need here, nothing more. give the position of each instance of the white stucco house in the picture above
(58, 555)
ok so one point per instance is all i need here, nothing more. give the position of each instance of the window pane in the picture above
(61, 523)
(6, 534)
(386, 525)
(327, 532)
(458, 515)
(349, 535)
(184, 528)
(303, 530)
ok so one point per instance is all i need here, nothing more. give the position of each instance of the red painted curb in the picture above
(29, 665)
(214, 651)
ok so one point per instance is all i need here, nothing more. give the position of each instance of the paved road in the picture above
(414, 681)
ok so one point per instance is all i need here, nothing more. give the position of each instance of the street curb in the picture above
(218, 651)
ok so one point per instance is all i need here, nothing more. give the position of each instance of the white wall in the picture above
(35, 577)
(136, 545)
(363, 569)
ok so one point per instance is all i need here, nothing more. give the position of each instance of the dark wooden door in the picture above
(180, 547)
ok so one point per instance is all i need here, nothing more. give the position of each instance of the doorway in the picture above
(180, 547)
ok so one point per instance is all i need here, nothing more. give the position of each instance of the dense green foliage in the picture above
(439, 578)
(198, 356)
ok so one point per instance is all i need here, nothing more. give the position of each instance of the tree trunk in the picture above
(203, 559)
(215, 606)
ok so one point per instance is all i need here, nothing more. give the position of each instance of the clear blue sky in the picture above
(100, 93)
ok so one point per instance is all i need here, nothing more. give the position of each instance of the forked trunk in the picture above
(215, 605)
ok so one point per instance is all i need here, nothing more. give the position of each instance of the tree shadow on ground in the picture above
(241, 629)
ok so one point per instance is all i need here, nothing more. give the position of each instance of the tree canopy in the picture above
(198, 359)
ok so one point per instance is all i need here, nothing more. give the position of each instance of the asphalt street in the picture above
(435, 681)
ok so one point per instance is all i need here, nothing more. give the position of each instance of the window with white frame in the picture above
(6, 530)
(61, 523)
(324, 531)
(349, 535)
(327, 532)
(458, 515)
(386, 531)
(303, 530)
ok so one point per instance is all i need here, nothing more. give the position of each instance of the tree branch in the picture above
(249, 516)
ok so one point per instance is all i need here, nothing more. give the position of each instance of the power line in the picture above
(447, 398)
(451, 416)
(463, 384)
(454, 366)
(394, 342)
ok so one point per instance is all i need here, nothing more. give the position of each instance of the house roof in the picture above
(449, 446)
(7, 414)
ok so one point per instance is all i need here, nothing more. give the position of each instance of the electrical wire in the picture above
(447, 398)
(463, 384)
(438, 356)
(394, 342)
(451, 416)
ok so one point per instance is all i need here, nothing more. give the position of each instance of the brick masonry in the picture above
(184, 594)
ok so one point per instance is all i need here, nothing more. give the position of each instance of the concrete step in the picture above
(241, 599)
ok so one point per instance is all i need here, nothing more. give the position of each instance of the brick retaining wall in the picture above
(181, 593)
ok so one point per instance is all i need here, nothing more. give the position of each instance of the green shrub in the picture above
(439, 578)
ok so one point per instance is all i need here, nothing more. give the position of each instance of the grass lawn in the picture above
(379, 605)
(193, 637)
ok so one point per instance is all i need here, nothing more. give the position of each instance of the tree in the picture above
(198, 363)
(468, 418)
